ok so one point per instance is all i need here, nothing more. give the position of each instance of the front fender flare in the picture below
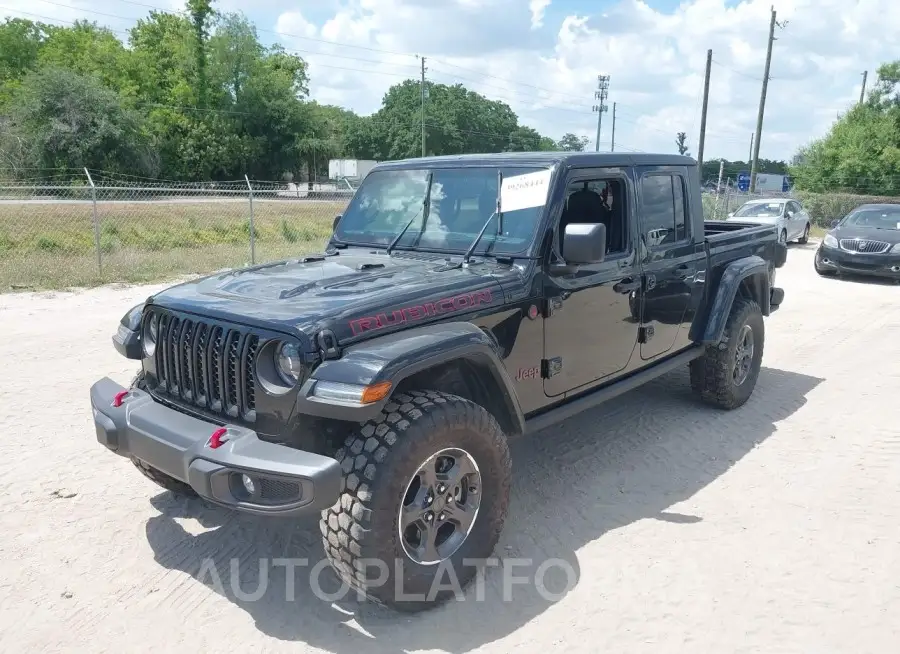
(397, 356)
(753, 268)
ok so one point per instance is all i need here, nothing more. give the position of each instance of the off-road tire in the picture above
(803, 240)
(378, 461)
(711, 374)
(158, 477)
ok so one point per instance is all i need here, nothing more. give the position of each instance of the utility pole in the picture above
(750, 154)
(762, 102)
(703, 113)
(600, 94)
(862, 92)
(612, 145)
(719, 184)
(424, 93)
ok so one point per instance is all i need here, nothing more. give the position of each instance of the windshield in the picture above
(760, 210)
(461, 201)
(876, 218)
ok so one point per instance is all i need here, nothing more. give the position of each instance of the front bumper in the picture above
(287, 482)
(879, 265)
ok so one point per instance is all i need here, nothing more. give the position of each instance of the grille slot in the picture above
(864, 246)
(207, 366)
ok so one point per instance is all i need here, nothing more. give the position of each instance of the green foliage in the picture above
(69, 120)
(197, 96)
(861, 153)
(681, 143)
(572, 143)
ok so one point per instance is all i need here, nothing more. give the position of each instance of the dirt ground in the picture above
(773, 528)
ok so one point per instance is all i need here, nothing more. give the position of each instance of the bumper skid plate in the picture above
(225, 464)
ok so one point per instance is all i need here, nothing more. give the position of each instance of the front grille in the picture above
(207, 366)
(867, 247)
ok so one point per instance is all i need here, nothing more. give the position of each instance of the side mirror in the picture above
(584, 243)
(789, 214)
(834, 223)
(334, 224)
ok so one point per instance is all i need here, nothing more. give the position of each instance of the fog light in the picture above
(249, 486)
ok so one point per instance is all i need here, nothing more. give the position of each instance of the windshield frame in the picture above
(487, 245)
(846, 220)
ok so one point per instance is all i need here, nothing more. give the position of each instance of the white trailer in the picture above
(352, 169)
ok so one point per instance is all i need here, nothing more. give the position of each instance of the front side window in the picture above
(459, 203)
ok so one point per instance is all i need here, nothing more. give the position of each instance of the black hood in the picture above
(891, 236)
(353, 292)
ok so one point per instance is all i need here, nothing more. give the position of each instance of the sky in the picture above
(542, 57)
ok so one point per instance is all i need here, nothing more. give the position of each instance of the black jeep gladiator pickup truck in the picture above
(461, 301)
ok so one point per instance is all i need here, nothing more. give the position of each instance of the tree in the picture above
(20, 43)
(572, 143)
(681, 143)
(861, 152)
(198, 96)
(72, 121)
(200, 11)
(527, 139)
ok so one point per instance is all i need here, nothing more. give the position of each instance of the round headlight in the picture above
(288, 363)
(151, 327)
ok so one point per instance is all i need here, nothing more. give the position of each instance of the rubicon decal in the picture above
(420, 311)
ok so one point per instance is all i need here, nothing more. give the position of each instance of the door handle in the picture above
(682, 272)
(627, 285)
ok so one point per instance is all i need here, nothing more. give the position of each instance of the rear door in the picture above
(669, 257)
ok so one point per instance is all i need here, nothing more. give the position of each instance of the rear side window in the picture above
(663, 212)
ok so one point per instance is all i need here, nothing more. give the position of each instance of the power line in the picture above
(738, 72)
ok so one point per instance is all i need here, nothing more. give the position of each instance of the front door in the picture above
(590, 330)
(668, 258)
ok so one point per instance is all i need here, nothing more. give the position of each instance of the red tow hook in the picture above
(119, 398)
(217, 440)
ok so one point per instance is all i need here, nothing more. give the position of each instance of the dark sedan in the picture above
(864, 242)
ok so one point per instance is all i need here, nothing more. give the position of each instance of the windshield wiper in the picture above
(426, 205)
(497, 212)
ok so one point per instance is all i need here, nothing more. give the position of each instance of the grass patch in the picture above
(54, 245)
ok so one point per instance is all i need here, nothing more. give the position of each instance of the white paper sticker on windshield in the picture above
(525, 191)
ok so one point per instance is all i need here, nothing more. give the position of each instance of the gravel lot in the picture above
(773, 528)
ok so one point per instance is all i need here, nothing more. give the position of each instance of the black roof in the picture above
(599, 159)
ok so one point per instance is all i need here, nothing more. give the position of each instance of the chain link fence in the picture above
(87, 229)
(823, 208)
(99, 231)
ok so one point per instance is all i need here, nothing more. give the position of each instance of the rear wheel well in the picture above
(755, 287)
(470, 380)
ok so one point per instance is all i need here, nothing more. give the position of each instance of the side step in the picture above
(593, 398)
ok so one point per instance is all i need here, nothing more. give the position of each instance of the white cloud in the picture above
(538, 7)
(656, 60)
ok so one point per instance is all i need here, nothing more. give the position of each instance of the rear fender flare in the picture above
(397, 356)
(752, 270)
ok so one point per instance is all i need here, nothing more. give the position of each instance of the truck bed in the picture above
(724, 238)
